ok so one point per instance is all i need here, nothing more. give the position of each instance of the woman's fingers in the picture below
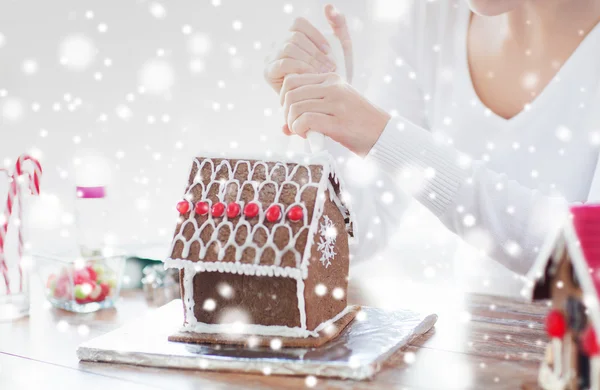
(307, 45)
(304, 26)
(299, 108)
(293, 51)
(286, 130)
(294, 81)
(305, 92)
(279, 69)
(314, 121)
(337, 21)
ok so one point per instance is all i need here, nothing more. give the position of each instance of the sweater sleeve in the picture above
(506, 220)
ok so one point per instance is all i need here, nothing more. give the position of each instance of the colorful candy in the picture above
(93, 283)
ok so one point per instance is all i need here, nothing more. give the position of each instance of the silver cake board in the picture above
(357, 353)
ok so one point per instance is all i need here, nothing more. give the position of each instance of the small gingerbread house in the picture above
(568, 273)
(262, 247)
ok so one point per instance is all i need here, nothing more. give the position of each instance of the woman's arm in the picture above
(503, 218)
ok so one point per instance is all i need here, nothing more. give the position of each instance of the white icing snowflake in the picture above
(326, 244)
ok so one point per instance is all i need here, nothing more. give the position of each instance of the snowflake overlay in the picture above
(326, 245)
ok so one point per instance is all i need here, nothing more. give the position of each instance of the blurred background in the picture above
(125, 93)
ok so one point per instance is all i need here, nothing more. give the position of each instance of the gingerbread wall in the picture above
(264, 300)
(322, 308)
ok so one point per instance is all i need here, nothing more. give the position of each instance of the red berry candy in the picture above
(556, 326)
(81, 276)
(233, 210)
(251, 210)
(105, 289)
(218, 209)
(202, 208)
(273, 213)
(589, 341)
(295, 213)
(92, 272)
(183, 207)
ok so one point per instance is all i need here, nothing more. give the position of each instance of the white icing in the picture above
(557, 352)
(549, 380)
(595, 373)
(224, 185)
(327, 241)
(261, 330)
(301, 302)
(559, 377)
(235, 268)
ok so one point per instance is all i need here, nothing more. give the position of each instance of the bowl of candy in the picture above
(81, 284)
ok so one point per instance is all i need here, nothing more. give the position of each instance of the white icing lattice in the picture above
(225, 188)
(328, 235)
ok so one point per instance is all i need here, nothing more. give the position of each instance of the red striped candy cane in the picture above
(33, 180)
(12, 192)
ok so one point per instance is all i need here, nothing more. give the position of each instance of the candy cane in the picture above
(34, 186)
(34, 182)
(12, 192)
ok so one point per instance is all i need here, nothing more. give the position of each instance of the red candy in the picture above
(295, 213)
(105, 290)
(233, 210)
(589, 342)
(183, 207)
(251, 210)
(81, 276)
(218, 209)
(92, 273)
(201, 208)
(556, 326)
(273, 213)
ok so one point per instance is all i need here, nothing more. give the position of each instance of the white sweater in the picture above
(481, 175)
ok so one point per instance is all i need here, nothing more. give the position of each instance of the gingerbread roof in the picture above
(580, 237)
(253, 216)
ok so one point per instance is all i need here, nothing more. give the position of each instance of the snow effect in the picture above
(320, 289)
(338, 293)
(288, 8)
(564, 134)
(237, 25)
(199, 44)
(12, 109)
(157, 76)
(390, 10)
(157, 10)
(77, 52)
(209, 305)
(30, 66)
(530, 80)
(328, 235)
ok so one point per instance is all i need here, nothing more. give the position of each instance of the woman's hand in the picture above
(327, 104)
(306, 50)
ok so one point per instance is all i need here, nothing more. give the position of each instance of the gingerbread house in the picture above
(568, 273)
(262, 249)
